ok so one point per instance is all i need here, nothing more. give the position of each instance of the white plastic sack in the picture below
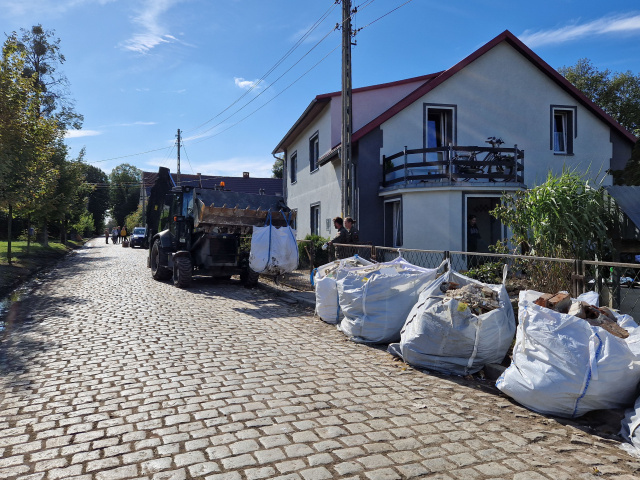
(376, 300)
(274, 250)
(629, 430)
(324, 279)
(564, 366)
(445, 336)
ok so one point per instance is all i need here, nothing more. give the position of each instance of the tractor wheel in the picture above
(182, 272)
(158, 262)
(249, 278)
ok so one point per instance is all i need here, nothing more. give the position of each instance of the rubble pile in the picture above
(480, 299)
(595, 316)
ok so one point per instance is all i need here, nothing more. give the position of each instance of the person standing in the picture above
(106, 235)
(342, 236)
(353, 235)
(473, 235)
(123, 233)
(114, 235)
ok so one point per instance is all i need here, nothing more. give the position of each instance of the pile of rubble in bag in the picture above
(458, 326)
(594, 315)
(571, 356)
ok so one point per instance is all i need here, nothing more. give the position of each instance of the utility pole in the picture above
(178, 172)
(347, 164)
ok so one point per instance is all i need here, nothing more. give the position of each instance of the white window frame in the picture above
(314, 224)
(293, 167)
(314, 151)
(397, 224)
(565, 117)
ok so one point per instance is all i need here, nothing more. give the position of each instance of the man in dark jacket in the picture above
(353, 235)
(343, 235)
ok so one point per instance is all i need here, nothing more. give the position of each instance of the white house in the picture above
(502, 89)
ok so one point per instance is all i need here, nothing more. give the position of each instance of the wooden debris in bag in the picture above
(480, 299)
(596, 316)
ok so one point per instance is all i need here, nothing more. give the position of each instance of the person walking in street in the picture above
(114, 235)
(123, 234)
(106, 235)
(353, 235)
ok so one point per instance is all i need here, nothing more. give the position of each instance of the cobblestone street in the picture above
(106, 374)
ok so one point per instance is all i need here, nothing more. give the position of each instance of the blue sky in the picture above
(142, 69)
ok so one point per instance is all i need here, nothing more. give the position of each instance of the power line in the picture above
(131, 155)
(381, 17)
(271, 100)
(276, 65)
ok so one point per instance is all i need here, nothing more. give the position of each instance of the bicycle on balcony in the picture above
(495, 166)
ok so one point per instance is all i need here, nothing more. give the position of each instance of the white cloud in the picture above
(246, 84)
(81, 133)
(618, 24)
(153, 31)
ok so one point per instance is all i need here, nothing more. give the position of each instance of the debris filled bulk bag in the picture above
(324, 280)
(457, 326)
(376, 300)
(564, 366)
(274, 250)
(629, 430)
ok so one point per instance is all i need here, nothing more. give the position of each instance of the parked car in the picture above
(137, 237)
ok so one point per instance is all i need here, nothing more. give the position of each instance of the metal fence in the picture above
(618, 284)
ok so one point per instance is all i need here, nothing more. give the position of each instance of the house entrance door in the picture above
(489, 228)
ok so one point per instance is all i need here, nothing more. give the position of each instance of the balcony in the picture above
(454, 166)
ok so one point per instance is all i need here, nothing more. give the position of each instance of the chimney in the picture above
(245, 174)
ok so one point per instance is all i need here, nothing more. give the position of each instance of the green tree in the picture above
(617, 93)
(278, 168)
(42, 59)
(26, 138)
(98, 201)
(134, 219)
(125, 191)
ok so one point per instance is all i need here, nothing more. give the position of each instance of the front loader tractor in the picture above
(204, 231)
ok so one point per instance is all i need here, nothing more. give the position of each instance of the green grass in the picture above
(37, 250)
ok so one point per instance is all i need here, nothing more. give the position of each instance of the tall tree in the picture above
(278, 168)
(43, 57)
(125, 191)
(25, 137)
(98, 202)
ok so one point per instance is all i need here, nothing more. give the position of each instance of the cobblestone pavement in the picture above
(106, 374)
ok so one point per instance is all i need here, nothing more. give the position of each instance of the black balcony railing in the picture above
(454, 164)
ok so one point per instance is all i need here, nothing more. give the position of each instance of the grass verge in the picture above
(24, 264)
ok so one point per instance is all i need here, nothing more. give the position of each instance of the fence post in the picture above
(373, 253)
(450, 157)
(405, 164)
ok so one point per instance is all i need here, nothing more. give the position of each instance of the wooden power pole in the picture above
(348, 182)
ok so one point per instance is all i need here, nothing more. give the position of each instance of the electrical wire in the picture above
(188, 161)
(272, 99)
(127, 156)
(381, 17)
(267, 88)
(276, 65)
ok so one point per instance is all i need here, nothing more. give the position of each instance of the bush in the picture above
(487, 272)
(312, 244)
(85, 225)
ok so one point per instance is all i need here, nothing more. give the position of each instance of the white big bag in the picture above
(274, 250)
(376, 299)
(326, 287)
(564, 366)
(444, 335)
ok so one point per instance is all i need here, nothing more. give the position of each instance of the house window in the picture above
(315, 219)
(314, 152)
(294, 220)
(439, 130)
(293, 167)
(393, 223)
(563, 129)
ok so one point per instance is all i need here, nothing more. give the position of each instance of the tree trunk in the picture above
(28, 234)
(45, 234)
(65, 224)
(9, 221)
